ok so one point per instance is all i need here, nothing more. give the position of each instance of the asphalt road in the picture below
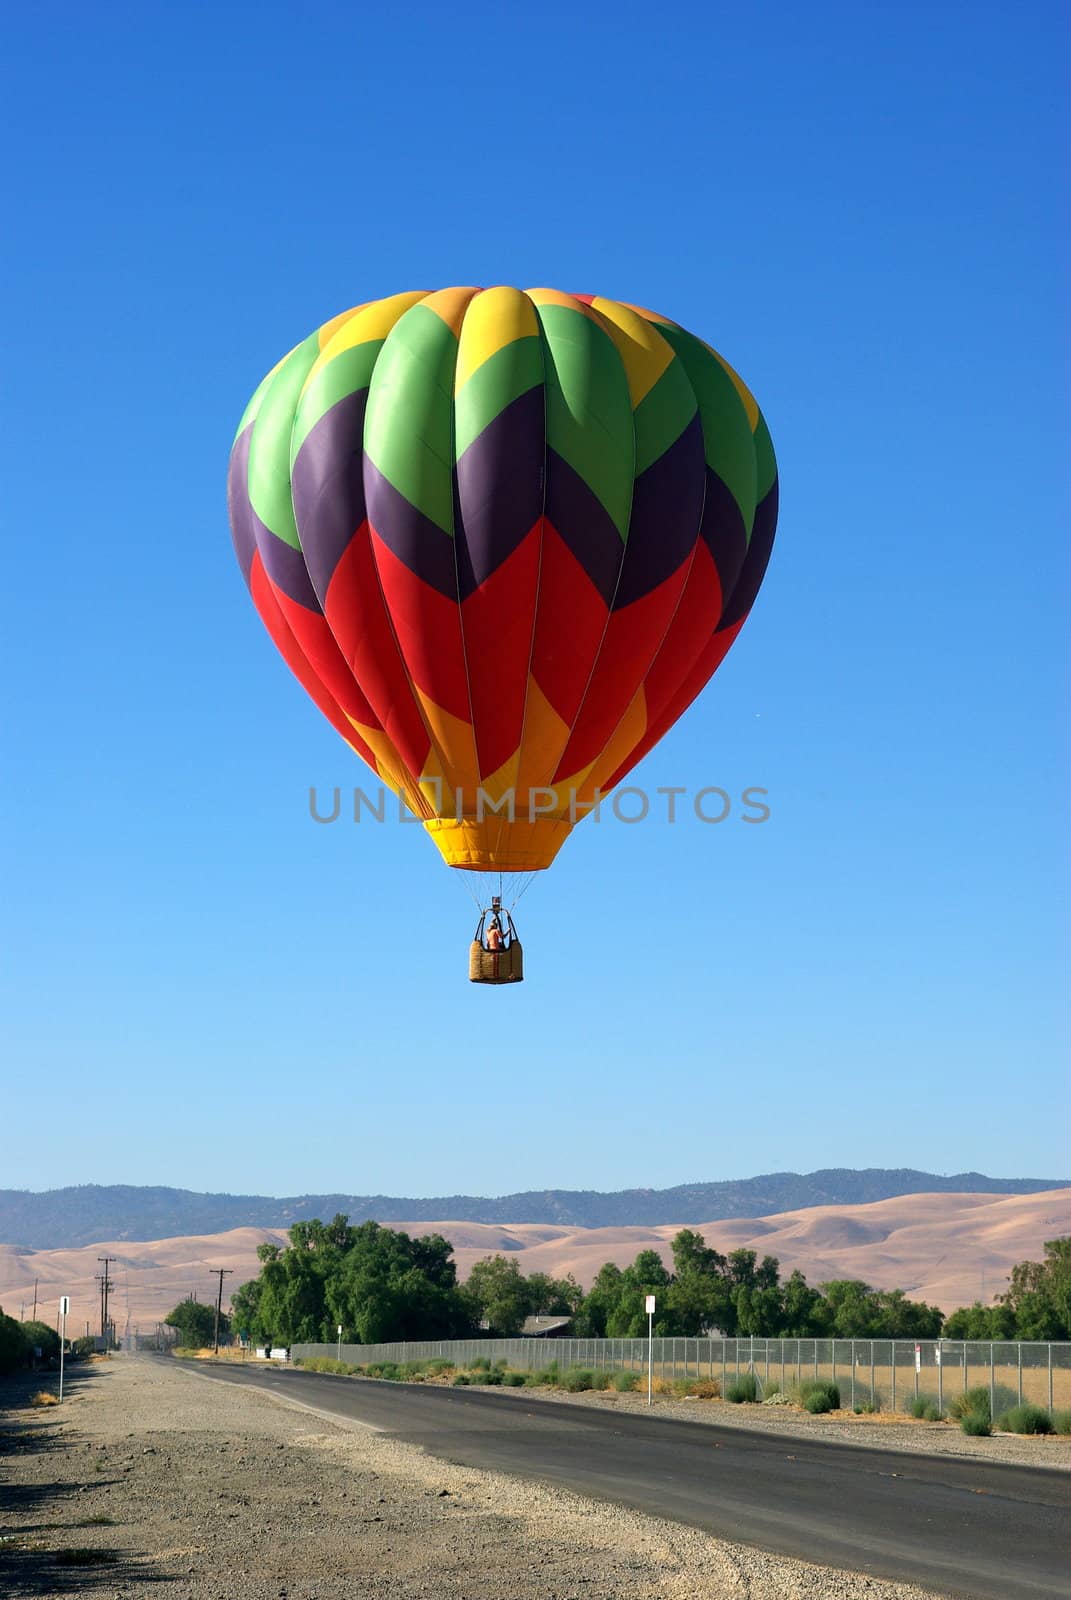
(960, 1527)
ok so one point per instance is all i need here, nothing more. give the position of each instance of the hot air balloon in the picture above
(503, 539)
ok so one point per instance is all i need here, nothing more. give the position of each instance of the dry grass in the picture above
(703, 1389)
(206, 1353)
(44, 1398)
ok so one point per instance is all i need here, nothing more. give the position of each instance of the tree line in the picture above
(382, 1286)
(19, 1342)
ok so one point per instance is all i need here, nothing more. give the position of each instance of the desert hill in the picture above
(945, 1249)
(57, 1218)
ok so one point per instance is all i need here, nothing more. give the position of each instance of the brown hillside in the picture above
(945, 1249)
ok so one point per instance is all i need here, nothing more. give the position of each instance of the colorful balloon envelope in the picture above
(503, 539)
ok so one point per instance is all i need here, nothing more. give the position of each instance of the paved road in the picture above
(961, 1527)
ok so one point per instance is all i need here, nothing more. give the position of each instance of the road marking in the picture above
(295, 1405)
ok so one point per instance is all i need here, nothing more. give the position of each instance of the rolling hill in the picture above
(61, 1218)
(947, 1249)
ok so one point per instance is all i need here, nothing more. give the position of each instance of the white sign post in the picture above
(64, 1308)
(650, 1308)
(340, 1341)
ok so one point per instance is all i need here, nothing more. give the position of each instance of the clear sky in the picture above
(862, 208)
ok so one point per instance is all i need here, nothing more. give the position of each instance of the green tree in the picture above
(700, 1296)
(1039, 1294)
(628, 1318)
(980, 1322)
(599, 1302)
(245, 1310)
(804, 1311)
(497, 1293)
(11, 1345)
(549, 1296)
(39, 1336)
(195, 1323)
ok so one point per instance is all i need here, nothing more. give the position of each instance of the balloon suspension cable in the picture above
(529, 879)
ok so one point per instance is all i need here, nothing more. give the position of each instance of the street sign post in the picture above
(340, 1341)
(650, 1309)
(64, 1308)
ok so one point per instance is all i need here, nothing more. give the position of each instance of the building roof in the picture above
(534, 1327)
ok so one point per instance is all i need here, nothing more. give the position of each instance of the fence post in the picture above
(1019, 1354)
(853, 1374)
(964, 1366)
(940, 1379)
(833, 1360)
(992, 1382)
(782, 1366)
(1050, 1377)
(892, 1361)
(873, 1397)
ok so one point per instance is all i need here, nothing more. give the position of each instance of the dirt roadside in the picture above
(878, 1432)
(152, 1475)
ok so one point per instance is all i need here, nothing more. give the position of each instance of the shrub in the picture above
(743, 1390)
(1025, 1419)
(513, 1380)
(438, 1368)
(971, 1402)
(1061, 1422)
(460, 1380)
(624, 1382)
(977, 1399)
(601, 1380)
(577, 1379)
(480, 1364)
(829, 1393)
(43, 1398)
(926, 1408)
(494, 1375)
(703, 1388)
(771, 1386)
(976, 1423)
(867, 1408)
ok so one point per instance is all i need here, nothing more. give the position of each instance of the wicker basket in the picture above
(496, 966)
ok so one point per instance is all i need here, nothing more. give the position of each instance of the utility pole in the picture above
(105, 1285)
(35, 1299)
(221, 1273)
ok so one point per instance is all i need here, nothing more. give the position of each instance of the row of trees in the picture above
(1036, 1306)
(740, 1295)
(19, 1340)
(195, 1323)
(381, 1286)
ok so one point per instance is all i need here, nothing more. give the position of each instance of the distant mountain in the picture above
(63, 1218)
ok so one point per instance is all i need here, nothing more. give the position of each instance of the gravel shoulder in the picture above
(152, 1474)
(876, 1433)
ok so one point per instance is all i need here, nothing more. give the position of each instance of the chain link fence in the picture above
(888, 1374)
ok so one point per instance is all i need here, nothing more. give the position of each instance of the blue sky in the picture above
(861, 208)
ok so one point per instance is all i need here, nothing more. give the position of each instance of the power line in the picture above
(105, 1286)
(221, 1273)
